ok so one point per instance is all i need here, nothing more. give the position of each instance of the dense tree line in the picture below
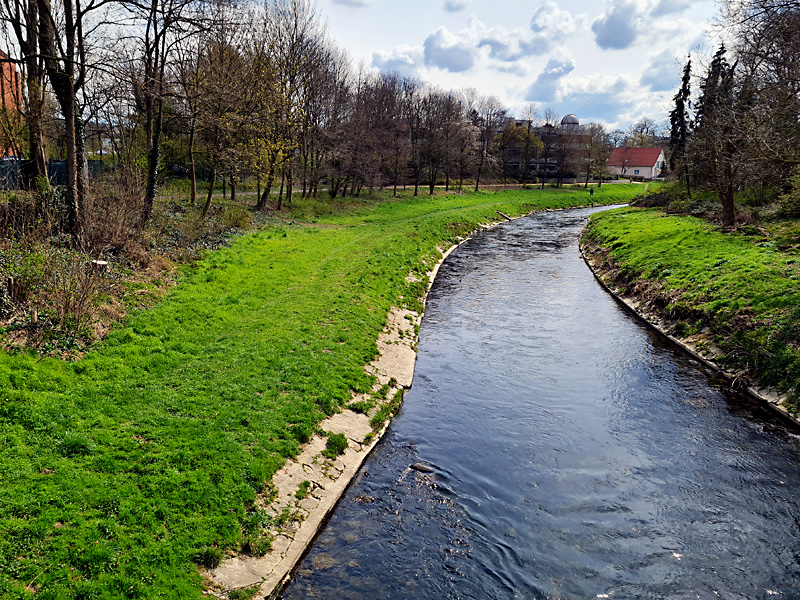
(235, 90)
(741, 130)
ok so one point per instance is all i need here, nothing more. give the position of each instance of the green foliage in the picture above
(209, 557)
(336, 445)
(790, 201)
(236, 216)
(244, 593)
(120, 472)
(303, 489)
(387, 410)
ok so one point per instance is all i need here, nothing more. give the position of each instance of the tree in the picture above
(487, 116)
(595, 151)
(66, 61)
(532, 146)
(718, 146)
(680, 126)
(642, 134)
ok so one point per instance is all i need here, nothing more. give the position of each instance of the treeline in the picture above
(741, 131)
(232, 91)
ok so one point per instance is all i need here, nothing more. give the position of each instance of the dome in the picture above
(570, 120)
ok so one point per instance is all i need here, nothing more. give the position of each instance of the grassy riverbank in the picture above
(122, 471)
(737, 290)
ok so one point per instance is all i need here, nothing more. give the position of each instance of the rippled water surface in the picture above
(573, 454)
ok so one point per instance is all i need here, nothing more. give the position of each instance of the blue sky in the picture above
(612, 61)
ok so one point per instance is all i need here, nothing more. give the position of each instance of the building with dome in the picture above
(561, 141)
(570, 123)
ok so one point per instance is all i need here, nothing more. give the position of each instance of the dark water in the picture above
(574, 454)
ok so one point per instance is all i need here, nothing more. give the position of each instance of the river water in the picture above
(571, 453)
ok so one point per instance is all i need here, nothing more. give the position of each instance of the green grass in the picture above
(122, 472)
(743, 287)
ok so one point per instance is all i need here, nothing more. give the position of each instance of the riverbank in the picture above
(731, 298)
(124, 472)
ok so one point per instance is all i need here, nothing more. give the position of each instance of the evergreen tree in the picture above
(680, 126)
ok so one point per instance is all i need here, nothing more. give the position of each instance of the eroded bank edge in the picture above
(307, 489)
(698, 345)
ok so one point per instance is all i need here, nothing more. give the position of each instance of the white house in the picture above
(636, 163)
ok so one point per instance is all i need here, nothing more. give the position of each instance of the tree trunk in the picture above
(262, 201)
(289, 184)
(280, 194)
(212, 183)
(192, 174)
(153, 160)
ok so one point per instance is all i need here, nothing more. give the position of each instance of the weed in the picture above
(336, 445)
(73, 444)
(362, 407)
(303, 490)
(387, 410)
(244, 593)
(209, 557)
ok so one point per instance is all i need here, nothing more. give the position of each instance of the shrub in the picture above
(790, 201)
(235, 217)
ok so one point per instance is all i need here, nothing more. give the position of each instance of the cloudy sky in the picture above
(610, 61)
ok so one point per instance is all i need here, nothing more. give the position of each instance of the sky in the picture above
(606, 61)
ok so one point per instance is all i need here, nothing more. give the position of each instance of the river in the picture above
(565, 452)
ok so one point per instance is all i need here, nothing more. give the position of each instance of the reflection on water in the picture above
(573, 454)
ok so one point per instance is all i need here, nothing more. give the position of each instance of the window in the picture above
(636, 171)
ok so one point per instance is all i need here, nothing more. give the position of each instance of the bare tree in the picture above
(487, 116)
(595, 151)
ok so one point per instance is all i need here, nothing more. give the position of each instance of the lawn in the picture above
(123, 471)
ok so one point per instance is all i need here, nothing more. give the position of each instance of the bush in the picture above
(790, 201)
(236, 216)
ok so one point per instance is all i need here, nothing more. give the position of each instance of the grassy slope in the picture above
(744, 289)
(120, 471)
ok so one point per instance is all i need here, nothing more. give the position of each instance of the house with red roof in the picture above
(636, 163)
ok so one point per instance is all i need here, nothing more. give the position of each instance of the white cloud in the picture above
(670, 7)
(554, 22)
(511, 46)
(598, 98)
(405, 60)
(448, 52)
(619, 27)
(625, 22)
(662, 73)
(546, 86)
(455, 5)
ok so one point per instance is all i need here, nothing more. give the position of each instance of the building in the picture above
(561, 145)
(10, 113)
(636, 163)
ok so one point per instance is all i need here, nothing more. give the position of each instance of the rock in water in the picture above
(320, 562)
(422, 467)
